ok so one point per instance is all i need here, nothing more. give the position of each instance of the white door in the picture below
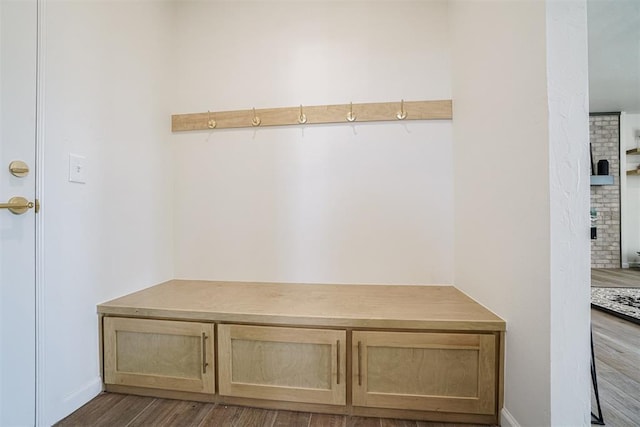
(18, 37)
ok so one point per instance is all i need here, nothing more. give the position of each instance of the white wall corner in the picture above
(74, 400)
(567, 88)
(75, 78)
(508, 420)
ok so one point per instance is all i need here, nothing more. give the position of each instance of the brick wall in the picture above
(604, 135)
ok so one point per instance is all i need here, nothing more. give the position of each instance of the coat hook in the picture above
(350, 116)
(211, 124)
(256, 120)
(401, 115)
(302, 118)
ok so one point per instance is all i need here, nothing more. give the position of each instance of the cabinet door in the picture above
(159, 354)
(295, 365)
(425, 371)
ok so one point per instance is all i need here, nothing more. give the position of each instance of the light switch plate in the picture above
(77, 169)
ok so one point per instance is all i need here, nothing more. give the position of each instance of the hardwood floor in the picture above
(617, 349)
(615, 277)
(616, 343)
(115, 410)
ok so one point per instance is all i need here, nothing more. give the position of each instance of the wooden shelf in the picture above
(634, 172)
(309, 115)
(633, 151)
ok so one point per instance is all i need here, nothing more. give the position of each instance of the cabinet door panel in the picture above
(297, 365)
(159, 354)
(425, 371)
(307, 365)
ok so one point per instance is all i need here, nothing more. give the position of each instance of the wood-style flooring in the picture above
(615, 277)
(115, 410)
(617, 348)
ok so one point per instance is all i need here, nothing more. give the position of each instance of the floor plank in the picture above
(169, 413)
(617, 351)
(430, 424)
(615, 277)
(385, 422)
(628, 406)
(222, 415)
(124, 411)
(93, 410)
(251, 417)
(363, 422)
(327, 420)
(120, 413)
(433, 424)
(292, 419)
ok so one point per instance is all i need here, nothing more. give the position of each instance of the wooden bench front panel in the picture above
(425, 371)
(287, 364)
(159, 354)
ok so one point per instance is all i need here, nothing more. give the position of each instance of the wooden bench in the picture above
(415, 352)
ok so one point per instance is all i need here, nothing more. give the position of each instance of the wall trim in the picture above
(39, 303)
(76, 399)
(508, 420)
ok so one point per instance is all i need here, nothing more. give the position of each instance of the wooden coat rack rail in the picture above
(317, 114)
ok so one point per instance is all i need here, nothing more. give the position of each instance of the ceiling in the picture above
(614, 55)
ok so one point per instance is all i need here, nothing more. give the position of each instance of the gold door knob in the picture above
(17, 205)
(18, 168)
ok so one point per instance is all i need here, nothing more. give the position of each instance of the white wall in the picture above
(569, 170)
(508, 186)
(630, 190)
(336, 203)
(106, 97)
(326, 203)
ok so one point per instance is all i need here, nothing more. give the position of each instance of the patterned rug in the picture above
(621, 302)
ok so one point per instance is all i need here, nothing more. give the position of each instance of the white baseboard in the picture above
(507, 420)
(75, 400)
